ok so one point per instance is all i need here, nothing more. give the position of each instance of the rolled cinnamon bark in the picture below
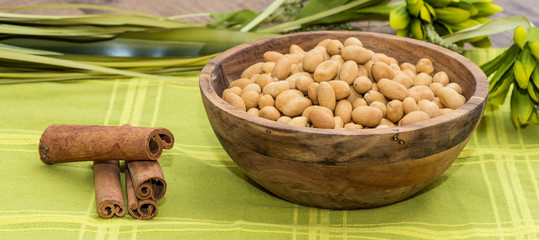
(145, 209)
(73, 143)
(108, 189)
(148, 179)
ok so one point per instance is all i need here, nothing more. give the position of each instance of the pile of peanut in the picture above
(342, 85)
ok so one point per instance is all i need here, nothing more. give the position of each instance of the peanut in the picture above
(334, 47)
(272, 56)
(312, 59)
(422, 79)
(343, 109)
(251, 87)
(420, 93)
(341, 88)
(353, 96)
(450, 98)
(349, 72)
(435, 86)
(286, 96)
(352, 125)
(455, 86)
(268, 67)
(265, 100)
(424, 65)
(321, 118)
(352, 41)
(326, 71)
(380, 106)
(362, 84)
(296, 49)
(407, 65)
(326, 96)
(236, 101)
(241, 83)
(441, 77)
(413, 117)
(373, 96)
(307, 112)
(392, 90)
(386, 122)
(339, 124)
(295, 106)
(252, 70)
(298, 121)
(409, 105)
(250, 98)
(445, 110)
(381, 70)
(282, 68)
(275, 88)
(394, 111)
(254, 111)
(429, 108)
(303, 83)
(367, 116)
(270, 112)
(233, 90)
(284, 119)
(324, 43)
(359, 102)
(312, 92)
(356, 53)
(404, 79)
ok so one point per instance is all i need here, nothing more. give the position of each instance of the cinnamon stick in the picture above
(73, 143)
(108, 189)
(148, 179)
(139, 209)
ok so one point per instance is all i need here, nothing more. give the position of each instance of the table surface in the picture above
(490, 192)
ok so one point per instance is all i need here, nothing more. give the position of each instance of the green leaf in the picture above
(263, 15)
(486, 9)
(495, 64)
(18, 56)
(528, 61)
(500, 88)
(398, 17)
(533, 92)
(230, 19)
(438, 3)
(521, 106)
(451, 15)
(535, 74)
(520, 75)
(320, 14)
(495, 26)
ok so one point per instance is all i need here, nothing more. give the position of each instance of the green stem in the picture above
(189, 15)
(297, 23)
(263, 15)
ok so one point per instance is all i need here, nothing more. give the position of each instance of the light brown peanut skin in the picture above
(343, 109)
(321, 119)
(326, 96)
(413, 117)
(367, 116)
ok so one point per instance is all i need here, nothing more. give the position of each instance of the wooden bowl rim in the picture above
(477, 99)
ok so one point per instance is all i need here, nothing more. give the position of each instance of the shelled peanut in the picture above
(343, 85)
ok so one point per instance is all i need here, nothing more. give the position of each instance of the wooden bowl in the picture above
(343, 169)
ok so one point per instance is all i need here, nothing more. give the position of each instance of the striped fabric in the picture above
(490, 192)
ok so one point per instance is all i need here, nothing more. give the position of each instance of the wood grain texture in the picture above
(526, 8)
(336, 168)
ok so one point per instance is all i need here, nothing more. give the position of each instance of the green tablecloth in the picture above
(490, 192)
